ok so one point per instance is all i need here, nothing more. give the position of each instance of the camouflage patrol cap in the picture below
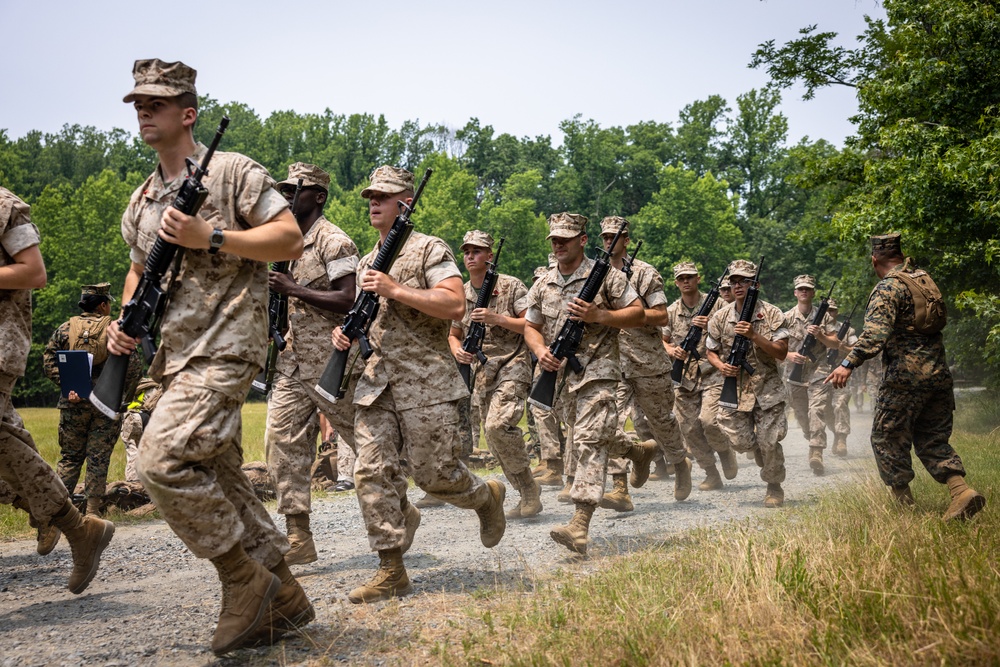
(390, 180)
(612, 223)
(831, 304)
(161, 79)
(891, 243)
(566, 225)
(743, 268)
(477, 238)
(311, 175)
(804, 281)
(100, 289)
(685, 269)
(725, 284)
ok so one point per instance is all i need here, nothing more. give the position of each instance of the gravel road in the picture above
(153, 603)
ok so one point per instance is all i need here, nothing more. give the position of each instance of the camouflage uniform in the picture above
(407, 402)
(915, 400)
(213, 344)
(502, 383)
(588, 399)
(838, 408)
(809, 402)
(23, 471)
(759, 421)
(85, 434)
(292, 420)
(134, 422)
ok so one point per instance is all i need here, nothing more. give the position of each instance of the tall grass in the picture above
(851, 579)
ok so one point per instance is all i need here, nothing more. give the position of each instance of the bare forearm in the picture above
(333, 301)
(656, 317)
(27, 271)
(441, 301)
(534, 339)
(280, 239)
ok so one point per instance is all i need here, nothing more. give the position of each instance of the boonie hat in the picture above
(161, 79)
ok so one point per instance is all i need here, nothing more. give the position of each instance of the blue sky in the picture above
(519, 66)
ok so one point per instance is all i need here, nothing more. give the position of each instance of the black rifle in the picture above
(473, 343)
(833, 354)
(142, 315)
(628, 261)
(809, 342)
(333, 383)
(693, 337)
(277, 318)
(741, 344)
(571, 335)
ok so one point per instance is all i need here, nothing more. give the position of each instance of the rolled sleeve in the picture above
(341, 267)
(20, 238)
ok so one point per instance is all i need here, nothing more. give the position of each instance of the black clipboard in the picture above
(74, 372)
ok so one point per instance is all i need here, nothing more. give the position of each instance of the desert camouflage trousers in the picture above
(427, 438)
(763, 429)
(86, 435)
(291, 432)
(652, 401)
(500, 411)
(838, 411)
(593, 411)
(131, 435)
(917, 418)
(189, 461)
(697, 415)
(23, 471)
(552, 440)
(809, 404)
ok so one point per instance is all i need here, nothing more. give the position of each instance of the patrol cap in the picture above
(161, 79)
(311, 175)
(890, 243)
(725, 284)
(477, 238)
(612, 223)
(566, 225)
(831, 304)
(100, 289)
(742, 267)
(804, 281)
(685, 269)
(389, 180)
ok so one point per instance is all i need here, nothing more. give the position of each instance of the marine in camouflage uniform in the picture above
(501, 385)
(549, 432)
(916, 399)
(645, 372)
(696, 401)
(758, 423)
(320, 290)
(809, 398)
(213, 344)
(134, 421)
(85, 434)
(588, 398)
(838, 407)
(408, 393)
(26, 480)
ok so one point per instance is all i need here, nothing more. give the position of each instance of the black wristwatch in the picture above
(847, 364)
(215, 241)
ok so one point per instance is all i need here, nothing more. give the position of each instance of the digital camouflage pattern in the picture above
(596, 438)
(701, 373)
(161, 79)
(641, 348)
(795, 324)
(219, 307)
(915, 400)
(17, 233)
(697, 417)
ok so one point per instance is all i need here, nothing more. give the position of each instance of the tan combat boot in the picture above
(429, 501)
(411, 521)
(390, 580)
(619, 499)
(573, 535)
(553, 473)
(659, 470)
(539, 470)
(816, 460)
(965, 501)
(713, 482)
(840, 445)
(682, 479)
(95, 506)
(301, 539)
(247, 591)
(47, 535)
(564, 495)
(730, 466)
(903, 495)
(775, 496)
(289, 611)
(88, 537)
(492, 522)
(641, 456)
(530, 503)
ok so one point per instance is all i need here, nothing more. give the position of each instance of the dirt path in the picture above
(153, 603)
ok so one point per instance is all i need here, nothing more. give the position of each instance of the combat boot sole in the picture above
(566, 536)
